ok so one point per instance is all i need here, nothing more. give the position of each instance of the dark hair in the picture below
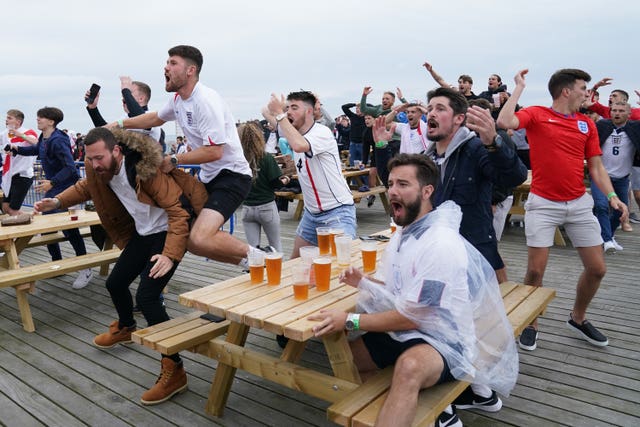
(144, 88)
(497, 77)
(393, 95)
(466, 78)
(480, 102)
(189, 53)
(621, 92)
(457, 101)
(17, 114)
(101, 134)
(565, 78)
(426, 170)
(304, 96)
(51, 113)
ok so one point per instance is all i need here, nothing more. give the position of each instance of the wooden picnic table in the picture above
(14, 239)
(273, 309)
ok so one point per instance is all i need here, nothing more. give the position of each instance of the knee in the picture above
(196, 242)
(408, 372)
(596, 271)
(534, 276)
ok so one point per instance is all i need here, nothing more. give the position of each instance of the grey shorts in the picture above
(635, 178)
(542, 216)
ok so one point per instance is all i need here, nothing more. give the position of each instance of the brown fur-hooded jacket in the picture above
(142, 157)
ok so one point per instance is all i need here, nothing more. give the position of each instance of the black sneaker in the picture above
(136, 309)
(587, 331)
(528, 338)
(469, 400)
(370, 200)
(269, 249)
(449, 418)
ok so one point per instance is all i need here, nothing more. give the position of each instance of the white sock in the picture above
(448, 410)
(481, 390)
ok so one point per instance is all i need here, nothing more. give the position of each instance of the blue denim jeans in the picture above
(355, 152)
(608, 218)
(343, 216)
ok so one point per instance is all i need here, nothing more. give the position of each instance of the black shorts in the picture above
(227, 191)
(490, 251)
(18, 192)
(384, 351)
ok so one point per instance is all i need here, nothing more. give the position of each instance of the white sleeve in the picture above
(211, 123)
(320, 139)
(167, 113)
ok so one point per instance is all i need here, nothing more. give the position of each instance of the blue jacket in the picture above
(467, 177)
(56, 159)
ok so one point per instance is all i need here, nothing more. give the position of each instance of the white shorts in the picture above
(542, 216)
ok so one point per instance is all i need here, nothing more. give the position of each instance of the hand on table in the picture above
(330, 321)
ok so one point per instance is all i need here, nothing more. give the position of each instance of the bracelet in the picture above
(121, 123)
(356, 322)
(58, 203)
(611, 195)
(381, 144)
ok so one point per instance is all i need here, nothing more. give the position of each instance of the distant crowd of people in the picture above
(449, 164)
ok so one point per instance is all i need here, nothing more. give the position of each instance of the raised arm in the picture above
(364, 108)
(296, 141)
(144, 121)
(437, 77)
(507, 118)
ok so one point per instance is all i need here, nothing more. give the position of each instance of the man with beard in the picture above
(560, 140)
(211, 133)
(470, 164)
(140, 208)
(327, 198)
(465, 82)
(419, 310)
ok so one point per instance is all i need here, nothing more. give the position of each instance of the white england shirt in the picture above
(617, 154)
(412, 141)
(319, 172)
(206, 119)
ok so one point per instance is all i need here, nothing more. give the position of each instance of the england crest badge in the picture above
(582, 126)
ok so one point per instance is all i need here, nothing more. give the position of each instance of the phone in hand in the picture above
(93, 92)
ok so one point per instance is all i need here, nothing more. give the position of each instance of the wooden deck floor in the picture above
(56, 377)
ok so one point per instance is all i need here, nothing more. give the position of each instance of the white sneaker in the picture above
(609, 247)
(616, 245)
(83, 279)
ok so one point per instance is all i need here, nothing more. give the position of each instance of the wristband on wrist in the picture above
(57, 202)
(121, 123)
(611, 195)
(381, 144)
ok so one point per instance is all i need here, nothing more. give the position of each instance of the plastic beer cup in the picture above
(274, 268)
(300, 277)
(256, 267)
(369, 253)
(335, 232)
(308, 254)
(343, 248)
(324, 240)
(322, 268)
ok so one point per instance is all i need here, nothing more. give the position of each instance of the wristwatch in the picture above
(280, 116)
(353, 322)
(496, 144)
(174, 160)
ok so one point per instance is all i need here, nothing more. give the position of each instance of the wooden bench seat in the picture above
(362, 405)
(31, 273)
(57, 237)
(181, 333)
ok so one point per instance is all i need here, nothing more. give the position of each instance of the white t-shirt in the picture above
(148, 219)
(412, 141)
(319, 172)
(270, 146)
(206, 119)
(617, 154)
(22, 165)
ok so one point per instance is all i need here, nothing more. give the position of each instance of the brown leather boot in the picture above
(172, 380)
(114, 336)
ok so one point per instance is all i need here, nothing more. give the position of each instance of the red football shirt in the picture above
(559, 144)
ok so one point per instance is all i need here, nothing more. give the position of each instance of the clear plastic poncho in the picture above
(436, 278)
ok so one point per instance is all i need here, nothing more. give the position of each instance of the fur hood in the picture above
(143, 155)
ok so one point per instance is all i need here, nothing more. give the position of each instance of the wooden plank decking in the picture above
(56, 377)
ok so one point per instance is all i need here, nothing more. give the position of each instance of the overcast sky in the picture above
(53, 50)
